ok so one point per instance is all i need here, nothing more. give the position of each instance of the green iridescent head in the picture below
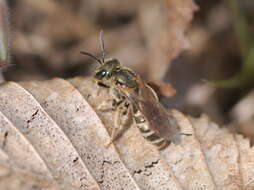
(110, 71)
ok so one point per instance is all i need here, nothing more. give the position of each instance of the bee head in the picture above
(111, 69)
(107, 69)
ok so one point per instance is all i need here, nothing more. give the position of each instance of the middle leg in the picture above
(122, 120)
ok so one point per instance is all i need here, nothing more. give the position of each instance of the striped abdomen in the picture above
(147, 133)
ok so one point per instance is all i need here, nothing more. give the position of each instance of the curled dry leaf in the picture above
(163, 89)
(53, 136)
(164, 30)
(243, 116)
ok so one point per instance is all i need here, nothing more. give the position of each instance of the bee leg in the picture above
(121, 121)
(106, 105)
(110, 105)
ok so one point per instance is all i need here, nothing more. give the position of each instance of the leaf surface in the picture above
(53, 134)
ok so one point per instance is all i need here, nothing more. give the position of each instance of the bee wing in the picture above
(159, 119)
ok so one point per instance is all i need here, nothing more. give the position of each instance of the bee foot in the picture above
(107, 145)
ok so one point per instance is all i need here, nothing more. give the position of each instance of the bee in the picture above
(134, 99)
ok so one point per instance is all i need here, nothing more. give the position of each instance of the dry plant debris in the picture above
(166, 39)
(242, 115)
(143, 40)
(4, 34)
(53, 137)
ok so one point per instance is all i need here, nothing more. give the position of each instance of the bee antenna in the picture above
(92, 56)
(102, 45)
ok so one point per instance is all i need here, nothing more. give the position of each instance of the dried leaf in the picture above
(52, 133)
(13, 180)
(243, 116)
(164, 29)
(4, 34)
(243, 110)
(164, 89)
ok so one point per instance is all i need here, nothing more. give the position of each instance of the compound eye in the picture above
(100, 74)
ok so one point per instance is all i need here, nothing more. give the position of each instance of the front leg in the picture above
(112, 103)
(107, 105)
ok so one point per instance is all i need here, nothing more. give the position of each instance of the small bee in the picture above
(133, 98)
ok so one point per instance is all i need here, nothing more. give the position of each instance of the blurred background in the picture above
(204, 49)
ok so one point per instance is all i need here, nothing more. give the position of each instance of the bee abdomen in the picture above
(147, 133)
